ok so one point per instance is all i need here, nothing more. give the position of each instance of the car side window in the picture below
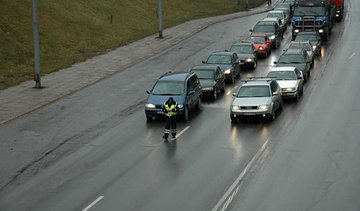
(189, 86)
(297, 72)
(273, 86)
(218, 73)
(235, 58)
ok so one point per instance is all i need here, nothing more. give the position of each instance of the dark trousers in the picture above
(170, 126)
(269, 2)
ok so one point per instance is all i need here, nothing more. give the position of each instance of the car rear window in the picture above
(168, 88)
(204, 74)
(242, 49)
(254, 91)
(282, 75)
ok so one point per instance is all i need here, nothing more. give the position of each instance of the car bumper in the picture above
(249, 113)
(207, 93)
(289, 94)
(158, 113)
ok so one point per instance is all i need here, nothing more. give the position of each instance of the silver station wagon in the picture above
(257, 97)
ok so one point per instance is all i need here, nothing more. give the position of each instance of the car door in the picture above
(275, 97)
(308, 64)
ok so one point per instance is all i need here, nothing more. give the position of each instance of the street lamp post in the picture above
(160, 18)
(36, 46)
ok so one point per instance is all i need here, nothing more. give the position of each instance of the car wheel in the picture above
(232, 78)
(233, 119)
(149, 118)
(281, 107)
(198, 105)
(297, 97)
(215, 93)
(266, 54)
(273, 115)
(223, 89)
(186, 113)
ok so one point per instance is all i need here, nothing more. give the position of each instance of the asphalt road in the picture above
(114, 160)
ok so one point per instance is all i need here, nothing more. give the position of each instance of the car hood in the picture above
(286, 83)
(251, 101)
(245, 56)
(207, 83)
(161, 99)
(300, 66)
(224, 66)
(257, 45)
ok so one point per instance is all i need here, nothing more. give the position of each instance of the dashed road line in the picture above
(352, 55)
(183, 131)
(231, 90)
(93, 203)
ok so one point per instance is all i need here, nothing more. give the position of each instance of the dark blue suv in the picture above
(184, 87)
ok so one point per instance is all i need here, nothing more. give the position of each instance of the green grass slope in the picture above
(74, 30)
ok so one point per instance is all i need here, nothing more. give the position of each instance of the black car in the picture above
(313, 37)
(228, 62)
(247, 53)
(295, 58)
(271, 29)
(212, 80)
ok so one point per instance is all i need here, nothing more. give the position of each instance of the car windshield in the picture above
(274, 15)
(242, 49)
(219, 59)
(313, 11)
(291, 58)
(284, 6)
(168, 88)
(305, 37)
(254, 91)
(264, 28)
(204, 74)
(282, 75)
(256, 40)
(305, 46)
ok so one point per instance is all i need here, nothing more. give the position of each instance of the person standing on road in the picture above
(269, 2)
(170, 109)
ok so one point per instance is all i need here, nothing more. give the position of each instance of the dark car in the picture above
(313, 37)
(184, 87)
(271, 29)
(212, 80)
(295, 58)
(228, 62)
(247, 53)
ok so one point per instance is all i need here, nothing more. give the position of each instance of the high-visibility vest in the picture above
(169, 112)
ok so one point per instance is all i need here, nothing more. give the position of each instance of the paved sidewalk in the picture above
(22, 99)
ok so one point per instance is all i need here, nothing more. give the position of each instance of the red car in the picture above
(261, 42)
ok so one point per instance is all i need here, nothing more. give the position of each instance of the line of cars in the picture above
(257, 96)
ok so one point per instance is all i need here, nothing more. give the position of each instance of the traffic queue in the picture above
(311, 24)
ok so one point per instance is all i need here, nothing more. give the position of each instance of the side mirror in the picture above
(148, 91)
(204, 62)
(191, 92)
(250, 30)
(275, 62)
(242, 41)
(275, 93)
(234, 94)
(300, 77)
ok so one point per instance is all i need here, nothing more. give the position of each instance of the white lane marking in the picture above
(93, 203)
(234, 188)
(183, 131)
(231, 90)
(352, 55)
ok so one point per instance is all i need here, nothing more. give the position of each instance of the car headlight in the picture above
(228, 71)
(338, 11)
(296, 30)
(149, 105)
(235, 107)
(261, 48)
(337, 15)
(272, 37)
(249, 60)
(321, 31)
(264, 107)
(180, 106)
(208, 88)
(289, 89)
(314, 47)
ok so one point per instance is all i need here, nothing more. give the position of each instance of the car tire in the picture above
(255, 65)
(273, 115)
(233, 120)
(232, 80)
(149, 118)
(297, 97)
(223, 89)
(186, 113)
(215, 94)
(281, 106)
(198, 105)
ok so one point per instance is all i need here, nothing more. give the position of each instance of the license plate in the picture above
(248, 114)
(160, 112)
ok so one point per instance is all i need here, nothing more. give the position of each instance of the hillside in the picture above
(72, 31)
